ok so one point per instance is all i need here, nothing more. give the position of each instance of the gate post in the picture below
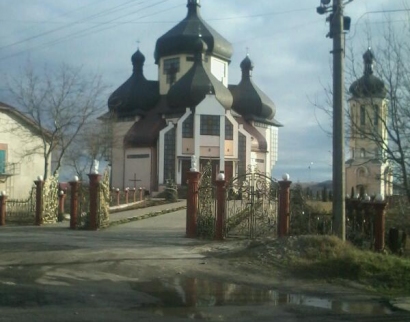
(94, 183)
(140, 190)
(284, 206)
(74, 202)
(39, 200)
(220, 206)
(379, 223)
(3, 200)
(192, 203)
(61, 197)
(127, 190)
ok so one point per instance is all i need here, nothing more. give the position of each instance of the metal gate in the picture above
(251, 205)
(206, 204)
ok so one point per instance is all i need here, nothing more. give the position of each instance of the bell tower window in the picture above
(171, 68)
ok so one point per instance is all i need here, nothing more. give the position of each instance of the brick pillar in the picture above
(379, 225)
(61, 198)
(140, 190)
(192, 204)
(284, 208)
(3, 200)
(94, 184)
(134, 192)
(220, 207)
(39, 201)
(74, 203)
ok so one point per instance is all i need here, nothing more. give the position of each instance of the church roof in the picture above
(368, 85)
(137, 95)
(182, 38)
(193, 87)
(145, 132)
(262, 144)
(249, 101)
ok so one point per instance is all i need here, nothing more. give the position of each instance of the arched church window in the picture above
(361, 172)
(376, 114)
(171, 68)
(228, 129)
(188, 127)
(362, 115)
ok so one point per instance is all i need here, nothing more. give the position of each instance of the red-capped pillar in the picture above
(94, 184)
(192, 203)
(74, 202)
(284, 206)
(3, 208)
(39, 201)
(220, 206)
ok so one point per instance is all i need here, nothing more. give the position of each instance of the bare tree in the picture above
(93, 143)
(61, 101)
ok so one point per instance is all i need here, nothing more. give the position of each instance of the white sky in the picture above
(286, 41)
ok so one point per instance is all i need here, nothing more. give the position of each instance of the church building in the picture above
(367, 170)
(191, 111)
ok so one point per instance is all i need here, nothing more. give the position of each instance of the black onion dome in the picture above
(193, 87)
(182, 38)
(137, 95)
(248, 99)
(368, 85)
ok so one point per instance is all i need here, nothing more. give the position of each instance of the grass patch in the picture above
(327, 257)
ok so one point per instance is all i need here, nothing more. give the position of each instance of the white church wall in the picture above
(138, 167)
(219, 69)
(118, 165)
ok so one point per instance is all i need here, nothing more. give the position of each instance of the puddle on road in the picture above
(192, 293)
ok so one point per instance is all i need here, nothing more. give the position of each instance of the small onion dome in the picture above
(368, 85)
(248, 99)
(182, 38)
(192, 87)
(137, 95)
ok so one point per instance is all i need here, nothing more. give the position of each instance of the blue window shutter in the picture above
(2, 161)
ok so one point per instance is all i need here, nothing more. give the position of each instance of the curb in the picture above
(145, 216)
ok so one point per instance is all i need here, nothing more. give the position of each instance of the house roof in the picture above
(5, 108)
(182, 38)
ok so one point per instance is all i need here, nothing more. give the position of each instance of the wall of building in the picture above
(118, 154)
(138, 167)
(23, 149)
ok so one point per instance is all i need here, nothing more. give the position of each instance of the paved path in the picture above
(147, 212)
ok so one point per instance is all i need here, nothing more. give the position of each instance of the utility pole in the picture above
(339, 215)
(338, 24)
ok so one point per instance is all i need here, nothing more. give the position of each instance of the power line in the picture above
(107, 11)
(71, 36)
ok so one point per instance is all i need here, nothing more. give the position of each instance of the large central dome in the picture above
(183, 37)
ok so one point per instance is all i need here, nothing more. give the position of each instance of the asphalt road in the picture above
(146, 270)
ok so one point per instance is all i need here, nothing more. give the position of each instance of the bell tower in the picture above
(367, 170)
